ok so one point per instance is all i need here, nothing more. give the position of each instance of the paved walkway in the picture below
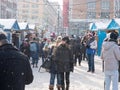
(80, 79)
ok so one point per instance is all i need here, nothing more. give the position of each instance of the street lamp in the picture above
(58, 19)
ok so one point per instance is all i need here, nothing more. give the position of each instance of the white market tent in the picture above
(114, 24)
(32, 28)
(9, 24)
(99, 25)
(23, 25)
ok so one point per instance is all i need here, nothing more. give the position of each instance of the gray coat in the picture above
(111, 55)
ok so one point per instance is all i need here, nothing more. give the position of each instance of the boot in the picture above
(67, 87)
(36, 65)
(63, 87)
(33, 65)
(58, 87)
(51, 87)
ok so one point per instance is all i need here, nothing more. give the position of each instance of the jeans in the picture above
(52, 79)
(91, 66)
(111, 76)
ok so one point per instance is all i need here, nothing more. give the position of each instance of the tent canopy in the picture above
(9, 24)
(114, 24)
(23, 26)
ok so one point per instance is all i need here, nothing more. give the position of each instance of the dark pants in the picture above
(79, 57)
(83, 54)
(65, 78)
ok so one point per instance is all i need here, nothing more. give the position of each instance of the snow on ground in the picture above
(80, 79)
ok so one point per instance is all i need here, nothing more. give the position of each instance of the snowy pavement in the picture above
(80, 79)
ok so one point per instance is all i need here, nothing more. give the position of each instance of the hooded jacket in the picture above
(111, 55)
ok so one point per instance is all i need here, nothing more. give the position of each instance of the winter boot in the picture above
(36, 65)
(33, 65)
(51, 87)
(63, 87)
(67, 87)
(58, 87)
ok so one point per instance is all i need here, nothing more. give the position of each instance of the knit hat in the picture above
(66, 39)
(2, 35)
(114, 35)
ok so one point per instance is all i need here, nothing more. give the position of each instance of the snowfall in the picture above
(80, 79)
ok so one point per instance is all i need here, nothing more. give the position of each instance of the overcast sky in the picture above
(59, 1)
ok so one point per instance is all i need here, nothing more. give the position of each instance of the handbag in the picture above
(46, 64)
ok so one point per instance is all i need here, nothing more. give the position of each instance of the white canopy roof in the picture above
(31, 26)
(8, 23)
(23, 25)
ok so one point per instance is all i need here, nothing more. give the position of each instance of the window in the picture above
(34, 17)
(25, 5)
(91, 15)
(35, 6)
(25, 11)
(35, 12)
(91, 5)
(105, 4)
(105, 15)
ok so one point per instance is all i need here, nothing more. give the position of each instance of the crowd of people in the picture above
(64, 52)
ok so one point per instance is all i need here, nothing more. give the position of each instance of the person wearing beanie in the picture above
(110, 55)
(64, 61)
(15, 70)
(113, 36)
(66, 39)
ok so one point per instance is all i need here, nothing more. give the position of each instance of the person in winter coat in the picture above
(91, 47)
(42, 54)
(25, 47)
(83, 50)
(34, 50)
(64, 60)
(53, 69)
(15, 70)
(110, 55)
(78, 54)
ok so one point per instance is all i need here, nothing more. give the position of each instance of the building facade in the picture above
(42, 13)
(83, 12)
(117, 8)
(93, 9)
(8, 9)
(30, 11)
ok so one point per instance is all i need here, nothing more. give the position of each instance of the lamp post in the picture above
(58, 19)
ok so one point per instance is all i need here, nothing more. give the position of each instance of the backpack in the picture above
(33, 47)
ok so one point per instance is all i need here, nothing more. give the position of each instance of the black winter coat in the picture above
(15, 70)
(64, 59)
